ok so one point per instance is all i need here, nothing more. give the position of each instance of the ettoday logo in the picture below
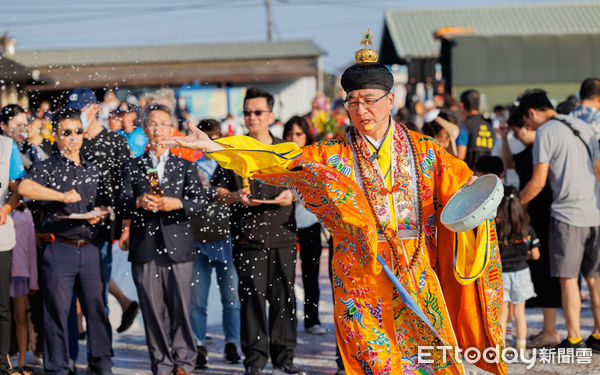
(507, 355)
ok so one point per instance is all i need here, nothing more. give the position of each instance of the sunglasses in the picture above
(256, 113)
(68, 132)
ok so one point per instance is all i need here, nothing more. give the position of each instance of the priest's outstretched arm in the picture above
(264, 158)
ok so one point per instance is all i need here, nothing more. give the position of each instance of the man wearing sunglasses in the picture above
(108, 150)
(67, 184)
(264, 252)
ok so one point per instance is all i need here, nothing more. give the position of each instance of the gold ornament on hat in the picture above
(366, 55)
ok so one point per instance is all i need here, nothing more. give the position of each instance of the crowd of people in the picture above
(546, 155)
(96, 176)
(84, 186)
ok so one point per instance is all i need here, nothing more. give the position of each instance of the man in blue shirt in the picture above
(135, 136)
(212, 235)
(588, 110)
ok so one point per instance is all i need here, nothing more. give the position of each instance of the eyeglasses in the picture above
(256, 113)
(68, 132)
(157, 124)
(353, 104)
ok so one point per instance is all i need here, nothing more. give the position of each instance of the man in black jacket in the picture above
(264, 245)
(159, 234)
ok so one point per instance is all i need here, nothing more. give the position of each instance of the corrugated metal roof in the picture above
(412, 30)
(11, 71)
(169, 53)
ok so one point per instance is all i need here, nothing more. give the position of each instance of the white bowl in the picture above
(473, 204)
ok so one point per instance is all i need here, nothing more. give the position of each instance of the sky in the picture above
(335, 25)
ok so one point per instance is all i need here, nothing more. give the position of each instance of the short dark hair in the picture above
(156, 107)
(489, 164)
(64, 114)
(515, 119)
(449, 100)
(303, 124)
(10, 111)
(432, 128)
(565, 107)
(254, 92)
(470, 100)
(536, 99)
(403, 115)
(209, 126)
(590, 88)
(448, 116)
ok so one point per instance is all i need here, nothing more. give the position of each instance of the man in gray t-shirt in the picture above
(574, 192)
(565, 151)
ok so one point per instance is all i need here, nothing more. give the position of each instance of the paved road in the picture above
(314, 353)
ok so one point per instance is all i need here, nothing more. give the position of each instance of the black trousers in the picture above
(338, 356)
(310, 255)
(36, 306)
(64, 267)
(267, 275)
(5, 313)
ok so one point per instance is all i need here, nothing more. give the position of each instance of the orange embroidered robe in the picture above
(377, 332)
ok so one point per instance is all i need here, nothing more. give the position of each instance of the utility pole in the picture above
(269, 25)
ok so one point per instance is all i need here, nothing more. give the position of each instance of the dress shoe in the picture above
(316, 330)
(128, 317)
(100, 372)
(231, 354)
(288, 368)
(253, 371)
(180, 371)
(201, 357)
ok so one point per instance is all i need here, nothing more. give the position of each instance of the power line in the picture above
(230, 34)
(361, 3)
(126, 10)
(128, 7)
(116, 14)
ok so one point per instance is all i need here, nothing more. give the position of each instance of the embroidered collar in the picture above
(377, 144)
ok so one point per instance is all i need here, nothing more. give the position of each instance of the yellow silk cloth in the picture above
(376, 332)
(470, 264)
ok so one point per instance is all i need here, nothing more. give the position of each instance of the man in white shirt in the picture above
(157, 233)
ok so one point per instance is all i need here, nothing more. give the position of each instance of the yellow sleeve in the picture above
(472, 252)
(246, 156)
